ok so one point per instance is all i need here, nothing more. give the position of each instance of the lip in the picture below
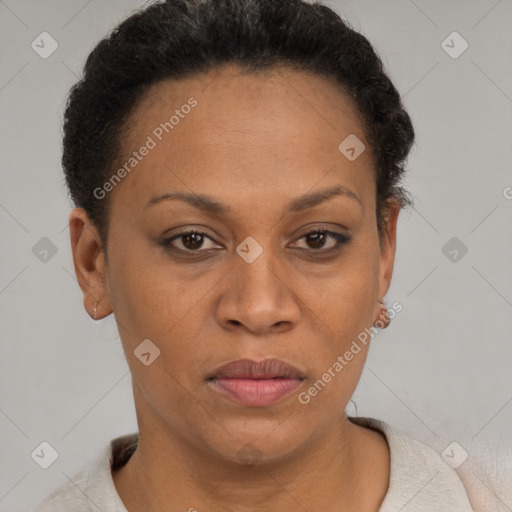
(254, 383)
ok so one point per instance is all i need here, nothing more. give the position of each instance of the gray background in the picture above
(440, 373)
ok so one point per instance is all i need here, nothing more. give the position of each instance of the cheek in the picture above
(344, 308)
(162, 304)
(345, 297)
(325, 399)
(340, 354)
(147, 295)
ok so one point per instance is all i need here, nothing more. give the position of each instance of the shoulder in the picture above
(419, 478)
(93, 487)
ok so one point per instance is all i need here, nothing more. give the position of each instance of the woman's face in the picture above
(258, 281)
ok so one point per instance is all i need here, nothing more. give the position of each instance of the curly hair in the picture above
(180, 38)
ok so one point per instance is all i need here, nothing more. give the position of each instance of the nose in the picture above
(258, 297)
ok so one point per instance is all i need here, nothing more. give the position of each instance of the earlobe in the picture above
(383, 319)
(89, 263)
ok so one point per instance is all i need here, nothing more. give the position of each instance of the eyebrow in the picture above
(298, 204)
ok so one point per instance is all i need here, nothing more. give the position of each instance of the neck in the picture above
(345, 469)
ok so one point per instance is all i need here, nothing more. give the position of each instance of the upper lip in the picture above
(249, 369)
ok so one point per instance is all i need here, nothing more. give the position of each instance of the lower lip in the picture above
(256, 392)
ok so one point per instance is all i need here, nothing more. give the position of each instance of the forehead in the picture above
(230, 98)
(280, 128)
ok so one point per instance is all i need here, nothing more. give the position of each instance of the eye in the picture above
(317, 239)
(190, 241)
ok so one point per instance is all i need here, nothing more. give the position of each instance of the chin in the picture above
(257, 441)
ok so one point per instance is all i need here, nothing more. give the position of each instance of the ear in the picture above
(388, 246)
(89, 262)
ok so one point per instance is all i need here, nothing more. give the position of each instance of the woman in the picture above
(236, 168)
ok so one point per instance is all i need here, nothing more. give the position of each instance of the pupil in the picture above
(318, 236)
(195, 238)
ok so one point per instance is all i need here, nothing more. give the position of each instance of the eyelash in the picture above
(341, 240)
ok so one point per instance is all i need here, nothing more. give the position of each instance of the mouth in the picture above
(256, 384)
